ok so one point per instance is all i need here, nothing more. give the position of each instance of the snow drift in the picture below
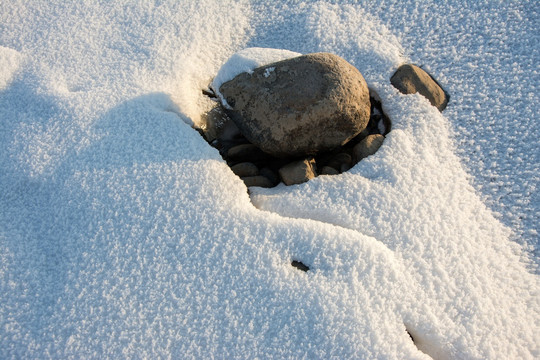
(124, 235)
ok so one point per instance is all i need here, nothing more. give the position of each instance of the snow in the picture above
(487, 55)
(9, 62)
(269, 71)
(123, 234)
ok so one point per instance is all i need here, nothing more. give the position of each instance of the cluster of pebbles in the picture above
(300, 118)
(257, 168)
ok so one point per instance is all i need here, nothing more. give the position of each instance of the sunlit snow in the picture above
(123, 234)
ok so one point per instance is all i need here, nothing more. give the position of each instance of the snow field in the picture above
(124, 235)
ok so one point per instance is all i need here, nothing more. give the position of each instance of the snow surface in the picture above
(124, 235)
(9, 62)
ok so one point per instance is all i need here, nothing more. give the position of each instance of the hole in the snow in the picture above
(257, 168)
(299, 265)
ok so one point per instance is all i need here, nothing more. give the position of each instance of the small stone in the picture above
(362, 135)
(340, 159)
(246, 152)
(210, 119)
(245, 169)
(298, 172)
(368, 146)
(344, 167)
(299, 265)
(328, 170)
(410, 79)
(271, 175)
(259, 180)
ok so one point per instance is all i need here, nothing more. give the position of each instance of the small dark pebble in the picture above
(246, 152)
(344, 167)
(328, 170)
(271, 175)
(245, 169)
(259, 180)
(299, 265)
(209, 93)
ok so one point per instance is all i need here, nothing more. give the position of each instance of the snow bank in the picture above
(123, 234)
(9, 63)
(414, 197)
(486, 56)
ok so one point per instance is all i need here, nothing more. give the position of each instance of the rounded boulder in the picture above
(299, 106)
(411, 79)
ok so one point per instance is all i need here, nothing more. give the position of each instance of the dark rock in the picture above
(298, 172)
(299, 106)
(275, 163)
(368, 146)
(299, 265)
(328, 170)
(339, 160)
(410, 79)
(362, 134)
(246, 152)
(209, 93)
(213, 119)
(259, 180)
(378, 121)
(245, 169)
(271, 175)
(344, 167)
(221, 132)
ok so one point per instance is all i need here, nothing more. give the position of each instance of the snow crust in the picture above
(124, 235)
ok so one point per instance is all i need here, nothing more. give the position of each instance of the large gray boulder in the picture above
(410, 79)
(300, 106)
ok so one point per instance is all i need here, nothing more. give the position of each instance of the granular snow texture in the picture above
(123, 234)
